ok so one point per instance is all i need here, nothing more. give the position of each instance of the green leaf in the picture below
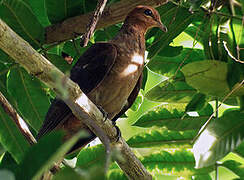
(59, 10)
(6, 175)
(91, 156)
(11, 138)
(171, 51)
(137, 103)
(175, 92)
(67, 173)
(19, 16)
(116, 174)
(162, 138)
(174, 118)
(203, 177)
(240, 150)
(220, 137)
(209, 77)
(42, 155)
(235, 167)
(30, 97)
(197, 103)
(7, 162)
(59, 62)
(168, 66)
(176, 20)
(39, 10)
(179, 163)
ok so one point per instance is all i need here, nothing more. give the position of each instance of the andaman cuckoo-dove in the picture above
(109, 73)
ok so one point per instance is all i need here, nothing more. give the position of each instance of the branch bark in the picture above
(81, 106)
(93, 22)
(7, 107)
(113, 14)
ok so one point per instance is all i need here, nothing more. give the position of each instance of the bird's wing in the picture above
(88, 72)
(130, 99)
(93, 66)
(57, 113)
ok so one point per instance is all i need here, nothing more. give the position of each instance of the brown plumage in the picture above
(110, 73)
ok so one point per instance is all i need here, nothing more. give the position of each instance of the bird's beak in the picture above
(162, 26)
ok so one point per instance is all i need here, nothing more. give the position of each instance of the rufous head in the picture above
(145, 16)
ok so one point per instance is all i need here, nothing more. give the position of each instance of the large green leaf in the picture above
(220, 137)
(39, 10)
(59, 10)
(162, 138)
(168, 66)
(31, 99)
(209, 77)
(19, 16)
(11, 138)
(44, 154)
(235, 167)
(179, 163)
(176, 19)
(175, 92)
(174, 118)
(92, 156)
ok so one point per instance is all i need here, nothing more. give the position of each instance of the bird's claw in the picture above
(118, 135)
(105, 114)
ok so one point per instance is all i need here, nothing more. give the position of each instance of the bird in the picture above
(109, 73)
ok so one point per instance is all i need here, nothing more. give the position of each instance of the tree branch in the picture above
(69, 28)
(93, 22)
(17, 119)
(80, 105)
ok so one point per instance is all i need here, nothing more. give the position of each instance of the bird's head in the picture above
(146, 17)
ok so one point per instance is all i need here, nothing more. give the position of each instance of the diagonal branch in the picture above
(69, 28)
(81, 106)
(93, 22)
(7, 107)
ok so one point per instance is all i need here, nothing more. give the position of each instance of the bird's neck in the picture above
(133, 35)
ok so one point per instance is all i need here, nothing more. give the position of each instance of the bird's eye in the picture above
(148, 12)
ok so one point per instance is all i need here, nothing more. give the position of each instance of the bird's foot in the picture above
(118, 135)
(105, 114)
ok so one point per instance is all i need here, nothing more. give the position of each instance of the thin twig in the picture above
(93, 22)
(17, 119)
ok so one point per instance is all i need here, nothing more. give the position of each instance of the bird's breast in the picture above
(113, 92)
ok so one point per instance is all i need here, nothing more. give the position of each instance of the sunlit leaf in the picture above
(175, 92)
(168, 66)
(173, 118)
(198, 102)
(234, 166)
(171, 163)
(162, 138)
(220, 137)
(209, 77)
(92, 156)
